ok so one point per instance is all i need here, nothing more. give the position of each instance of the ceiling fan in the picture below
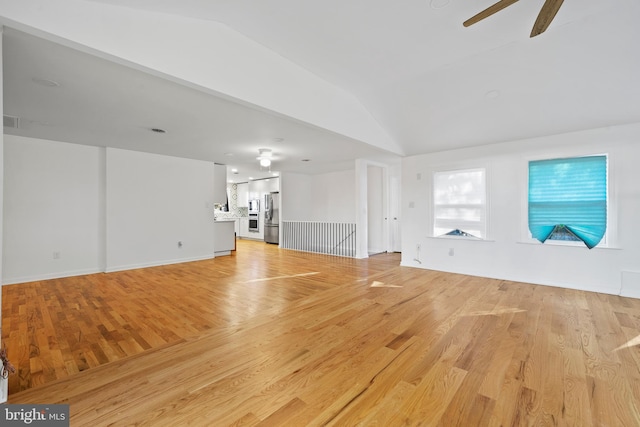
(546, 15)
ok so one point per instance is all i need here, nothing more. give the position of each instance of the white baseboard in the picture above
(630, 286)
(157, 263)
(598, 289)
(48, 276)
(62, 274)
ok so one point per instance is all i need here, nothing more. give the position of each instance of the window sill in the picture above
(464, 238)
(566, 245)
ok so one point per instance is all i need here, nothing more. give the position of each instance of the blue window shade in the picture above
(570, 193)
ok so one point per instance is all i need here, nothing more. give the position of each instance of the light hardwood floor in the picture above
(282, 338)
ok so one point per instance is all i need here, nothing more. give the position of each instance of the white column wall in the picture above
(153, 202)
(73, 209)
(52, 210)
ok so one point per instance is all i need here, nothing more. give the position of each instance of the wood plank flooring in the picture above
(280, 338)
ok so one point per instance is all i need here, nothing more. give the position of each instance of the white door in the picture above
(395, 241)
(376, 217)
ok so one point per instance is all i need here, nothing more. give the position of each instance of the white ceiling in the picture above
(423, 76)
(105, 104)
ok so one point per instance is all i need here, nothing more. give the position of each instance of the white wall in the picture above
(100, 209)
(154, 202)
(326, 197)
(52, 203)
(295, 196)
(333, 197)
(508, 254)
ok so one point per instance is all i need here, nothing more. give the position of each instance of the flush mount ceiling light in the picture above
(439, 4)
(265, 157)
(492, 94)
(45, 82)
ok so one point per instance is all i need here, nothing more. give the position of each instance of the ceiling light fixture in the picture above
(439, 4)
(492, 94)
(265, 157)
(45, 82)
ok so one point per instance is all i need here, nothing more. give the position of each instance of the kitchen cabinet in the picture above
(244, 227)
(243, 195)
(260, 187)
(219, 184)
(256, 189)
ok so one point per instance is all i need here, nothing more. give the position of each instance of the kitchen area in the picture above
(251, 211)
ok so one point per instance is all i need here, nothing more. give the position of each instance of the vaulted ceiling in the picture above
(407, 77)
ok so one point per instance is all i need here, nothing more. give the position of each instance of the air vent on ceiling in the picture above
(11, 121)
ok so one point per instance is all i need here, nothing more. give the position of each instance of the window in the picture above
(568, 199)
(459, 203)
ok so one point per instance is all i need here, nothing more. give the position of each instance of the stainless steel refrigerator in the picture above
(272, 217)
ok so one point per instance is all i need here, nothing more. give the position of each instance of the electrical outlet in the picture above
(451, 252)
(418, 247)
(56, 255)
(180, 243)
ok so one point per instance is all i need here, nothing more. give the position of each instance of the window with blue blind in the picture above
(568, 199)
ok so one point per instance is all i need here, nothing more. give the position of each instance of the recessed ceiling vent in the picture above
(11, 121)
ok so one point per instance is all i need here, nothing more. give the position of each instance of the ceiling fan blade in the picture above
(489, 11)
(546, 15)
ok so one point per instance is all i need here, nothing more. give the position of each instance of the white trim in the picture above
(461, 238)
(604, 289)
(157, 263)
(468, 165)
(566, 244)
(49, 276)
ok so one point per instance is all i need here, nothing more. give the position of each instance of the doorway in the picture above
(376, 208)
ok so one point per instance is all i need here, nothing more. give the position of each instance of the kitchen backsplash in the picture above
(234, 210)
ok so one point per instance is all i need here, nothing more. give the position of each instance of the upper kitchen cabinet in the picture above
(220, 184)
(256, 189)
(260, 187)
(243, 195)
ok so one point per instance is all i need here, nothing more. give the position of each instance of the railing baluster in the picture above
(320, 237)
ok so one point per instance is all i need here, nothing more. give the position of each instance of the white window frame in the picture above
(460, 168)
